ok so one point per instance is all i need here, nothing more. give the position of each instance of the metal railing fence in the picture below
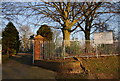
(79, 48)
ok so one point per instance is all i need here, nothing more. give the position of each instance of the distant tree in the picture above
(25, 33)
(31, 37)
(56, 35)
(10, 39)
(31, 41)
(45, 31)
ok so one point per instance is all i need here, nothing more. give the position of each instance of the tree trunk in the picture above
(66, 37)
(87, 41)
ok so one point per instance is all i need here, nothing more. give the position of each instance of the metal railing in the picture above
(79, 48)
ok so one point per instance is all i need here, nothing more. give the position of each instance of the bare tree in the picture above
(56, 36)
(93, 21)
(25, 33)
(67, 14)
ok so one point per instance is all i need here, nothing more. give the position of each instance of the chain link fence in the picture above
(79, 48)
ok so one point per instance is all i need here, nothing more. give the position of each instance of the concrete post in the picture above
(37, 41)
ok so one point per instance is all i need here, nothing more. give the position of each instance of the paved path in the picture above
(20, 67)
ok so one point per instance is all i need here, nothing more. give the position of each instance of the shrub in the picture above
(107, 49)
(45, 31)
(74, 48)
(10, 39)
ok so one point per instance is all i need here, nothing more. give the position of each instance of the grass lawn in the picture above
(98, 68)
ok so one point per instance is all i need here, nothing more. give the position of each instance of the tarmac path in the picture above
(20, 67)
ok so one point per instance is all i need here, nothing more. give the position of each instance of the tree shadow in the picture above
(23, 59)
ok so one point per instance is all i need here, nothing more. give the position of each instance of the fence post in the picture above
(96, 47)
(37, 41)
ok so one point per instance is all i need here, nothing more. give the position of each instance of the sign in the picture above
(103, 38)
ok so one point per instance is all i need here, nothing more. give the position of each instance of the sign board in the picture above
(103, 38)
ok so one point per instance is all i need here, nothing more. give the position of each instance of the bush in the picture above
(107, 49)
(74, 48)
(10, 39)
(13, 51)
(45, 31)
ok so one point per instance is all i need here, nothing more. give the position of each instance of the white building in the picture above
(103, 37)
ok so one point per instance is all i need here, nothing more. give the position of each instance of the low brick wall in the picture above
(63, 67)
